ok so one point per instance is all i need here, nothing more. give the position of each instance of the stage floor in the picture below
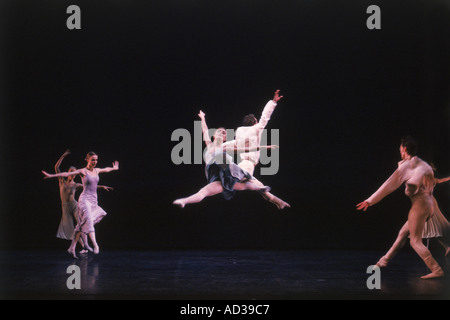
(215, 275)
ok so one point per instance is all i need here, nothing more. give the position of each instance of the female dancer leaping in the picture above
(222, 174)
(89, 212)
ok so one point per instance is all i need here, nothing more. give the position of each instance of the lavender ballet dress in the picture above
(89, 212)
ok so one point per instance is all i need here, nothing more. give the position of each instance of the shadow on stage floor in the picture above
(214, 275)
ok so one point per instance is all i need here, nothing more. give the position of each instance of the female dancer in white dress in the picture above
(89, 212)
(419, 179)
(437, 227)
(222, 174)
(67, 190)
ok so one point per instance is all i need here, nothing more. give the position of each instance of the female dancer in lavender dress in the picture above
(222, 174)
(67, 190)
(89, 212)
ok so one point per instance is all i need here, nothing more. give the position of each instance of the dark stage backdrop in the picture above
(138, 70)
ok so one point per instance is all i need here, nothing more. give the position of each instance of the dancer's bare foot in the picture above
(382, 263)
(72, 253)
(96, 250)
(433, 275)
(179, 203)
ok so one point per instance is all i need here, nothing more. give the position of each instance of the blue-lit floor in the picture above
(215, 275)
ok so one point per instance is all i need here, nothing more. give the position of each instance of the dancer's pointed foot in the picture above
(96, 250)
(84, 251)
(382, 263)
(72, 253)
(434, 275)
(179, 203)
(447, 252)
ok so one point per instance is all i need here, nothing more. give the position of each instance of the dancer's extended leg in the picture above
(215, 188)
(398, 244)
(420, 212)
(270, 197)
(209, 190)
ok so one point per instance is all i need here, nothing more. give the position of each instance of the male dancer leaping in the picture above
(249, 136)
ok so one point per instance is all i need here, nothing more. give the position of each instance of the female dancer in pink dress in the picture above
(223, 175)
(418, 177)
(89, 212)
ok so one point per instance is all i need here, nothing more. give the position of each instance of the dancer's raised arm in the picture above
(109, 169)
(269, 109)
(58, 163)
(206, 137)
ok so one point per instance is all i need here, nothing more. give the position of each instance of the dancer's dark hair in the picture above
(249, 120)
(410, 144)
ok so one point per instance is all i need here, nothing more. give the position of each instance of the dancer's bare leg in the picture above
(418, 215)
(94, 242)
(271, 198)
(73, 245)
(215, 188)
(250, 185)
(209, 190)
(86, 243)
(398, 244)
(445, 246)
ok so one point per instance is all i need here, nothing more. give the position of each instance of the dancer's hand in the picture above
(107, 188)
(273, 147)
(277, 96)
(363, 206)
(116, 165)
(46, 175)
(201, 115)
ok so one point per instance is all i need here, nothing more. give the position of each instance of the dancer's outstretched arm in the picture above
(109, 169)
(62, 174)
(206, 137)
(105, 188)
(442, 180)
(393, 183)
(234, 148)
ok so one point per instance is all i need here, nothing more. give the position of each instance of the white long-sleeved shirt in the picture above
(250, 136)
(417, 175)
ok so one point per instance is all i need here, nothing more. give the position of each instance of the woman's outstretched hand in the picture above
(46, 175)
(363, 206)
